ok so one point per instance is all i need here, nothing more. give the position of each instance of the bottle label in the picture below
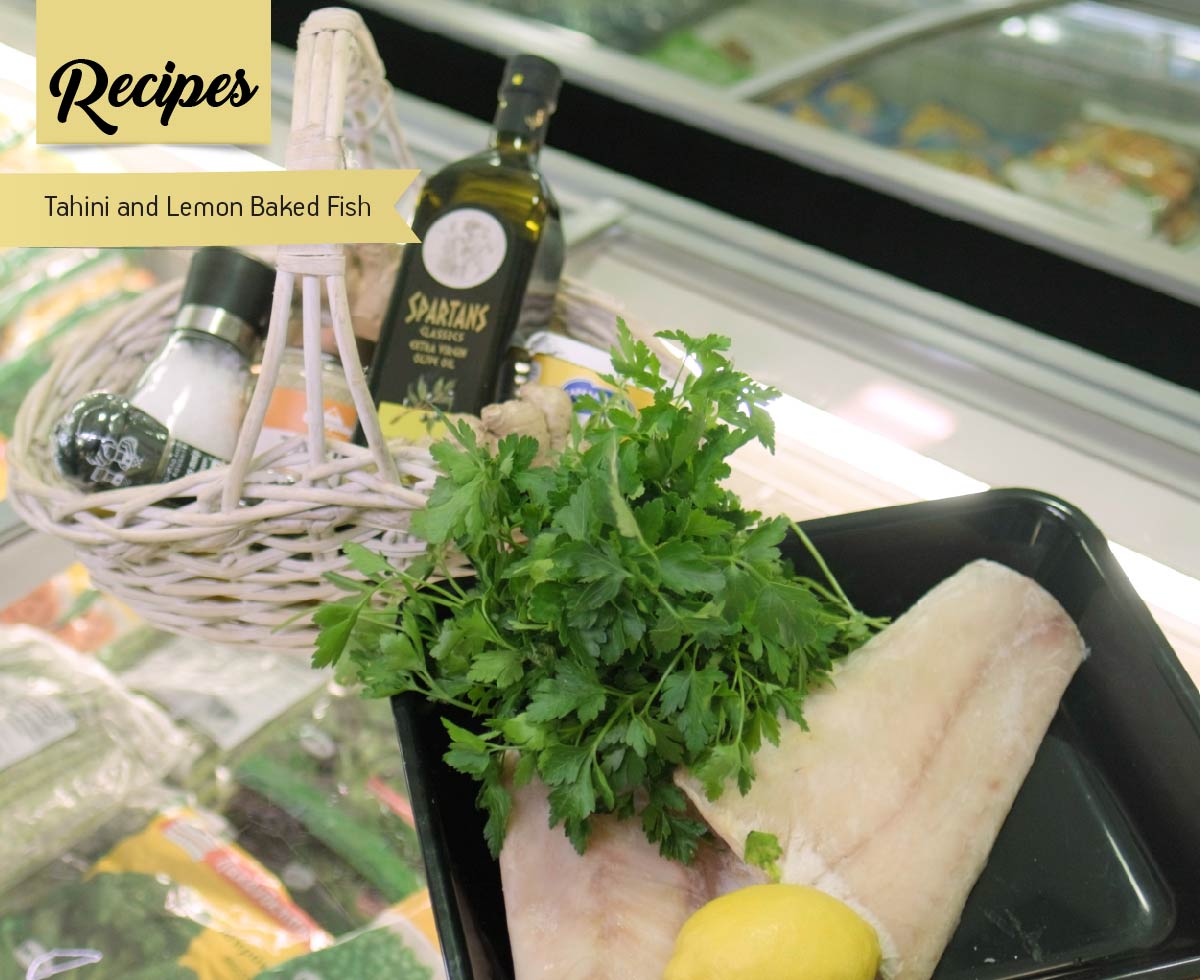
(451, 317)
(183, 459)
(287, 416)
(138, 449)
(464, 248)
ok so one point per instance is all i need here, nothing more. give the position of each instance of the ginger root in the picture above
(555, 405)
(541, 411)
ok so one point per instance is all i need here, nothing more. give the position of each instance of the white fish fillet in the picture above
(612, 914)
(892, 800)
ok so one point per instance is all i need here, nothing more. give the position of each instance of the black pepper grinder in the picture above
(184, 413)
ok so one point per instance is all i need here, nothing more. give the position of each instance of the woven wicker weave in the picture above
(238, 553)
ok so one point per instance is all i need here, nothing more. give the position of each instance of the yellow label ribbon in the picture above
(280, 207)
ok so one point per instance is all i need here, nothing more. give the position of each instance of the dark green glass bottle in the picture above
(486, 270)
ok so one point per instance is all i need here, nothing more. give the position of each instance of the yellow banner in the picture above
(145, 71)
(282, 207)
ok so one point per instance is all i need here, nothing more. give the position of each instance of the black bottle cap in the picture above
(104, 442)
(529, 73)
(232, 281)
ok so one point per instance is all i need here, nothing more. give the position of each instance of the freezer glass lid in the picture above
(715, 41)
(1091, 107)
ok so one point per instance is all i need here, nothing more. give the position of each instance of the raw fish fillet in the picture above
(893, 798)
(612, 914)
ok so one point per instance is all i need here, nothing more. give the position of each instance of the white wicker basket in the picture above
(238, 554)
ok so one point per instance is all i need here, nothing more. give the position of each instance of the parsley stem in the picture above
(665, 674)
(816, 556)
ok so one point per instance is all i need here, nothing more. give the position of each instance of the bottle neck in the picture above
(521, 122)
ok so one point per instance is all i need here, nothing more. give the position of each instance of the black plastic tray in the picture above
(1096, 871)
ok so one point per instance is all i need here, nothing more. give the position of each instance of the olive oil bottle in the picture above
(486, 270)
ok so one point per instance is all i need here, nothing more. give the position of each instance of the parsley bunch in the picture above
(628, 616)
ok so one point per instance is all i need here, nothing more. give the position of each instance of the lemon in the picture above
(775, 932)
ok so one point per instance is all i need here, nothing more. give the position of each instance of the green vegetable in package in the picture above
(323, 805)
(74, 748)
(125, 918)
(375, 953)
(174, 901)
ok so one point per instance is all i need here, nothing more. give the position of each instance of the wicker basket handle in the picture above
(337, 69)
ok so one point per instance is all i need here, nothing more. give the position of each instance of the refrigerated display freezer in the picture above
(937, 397)
(1023, 156)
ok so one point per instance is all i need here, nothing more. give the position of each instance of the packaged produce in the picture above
(40, 288)
(184, 412)
(323, 804)
(67, 607)
(227, 700)
(740, 41)
(227, 694)
(74, 746)
(175, 901)
(400, 945)
(1124, 178)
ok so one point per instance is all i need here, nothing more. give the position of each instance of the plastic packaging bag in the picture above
(323, 804)
(67, 606)
(74, 746)
(175, 901)
(400, 945)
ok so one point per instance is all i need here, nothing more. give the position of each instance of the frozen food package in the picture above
(46, 297)
(951, 139)
(67, 606)
(324, 805)
(226, 699)
(174, 901)
(401, 944)
(844, 104)
(226, 694)
(41, 287)
(74, 746)
(740, 41)
(1127, 179)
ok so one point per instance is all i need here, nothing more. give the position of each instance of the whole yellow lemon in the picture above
(775, 932)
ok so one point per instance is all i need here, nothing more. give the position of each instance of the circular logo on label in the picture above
(580, 387)
(464, 248)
